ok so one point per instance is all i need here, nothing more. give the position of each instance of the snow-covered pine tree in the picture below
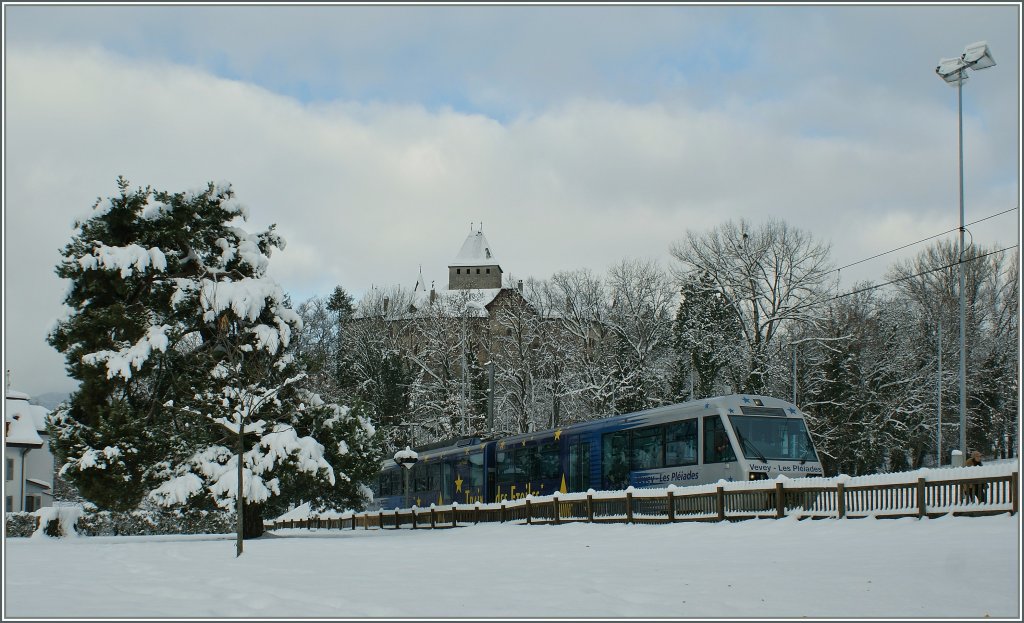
(707, 339)
(178, 338)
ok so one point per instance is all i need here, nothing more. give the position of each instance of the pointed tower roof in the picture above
(475, 251)
(420, 286)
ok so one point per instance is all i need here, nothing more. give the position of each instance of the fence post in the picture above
(528, 520)
(1014, 479)
(720, 502)
(455, 521)
(590, 508)
(841, 499)
(554, 508)
(501, 513)
(380, 520)
(921, 510)
(629, 506)
(398, 523)
(433, 516)
(476, 513)
(780, 500)
(353, 521)
(413, 517)
(671, 506)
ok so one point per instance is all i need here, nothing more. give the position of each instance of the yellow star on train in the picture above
(558, 434)
(458, 483)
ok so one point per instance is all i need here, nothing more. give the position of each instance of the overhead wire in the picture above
(907, 278)
(924, 239)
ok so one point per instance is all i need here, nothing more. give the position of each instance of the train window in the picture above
(579, 466)
(506, 467)
(434, 477)
(419, 477)
(476, 470)
(549, 463)
(526, 464)
(391, 483)
(717, 448)
(681, 443)
(647, 448)
(446, 485)
(615, 460)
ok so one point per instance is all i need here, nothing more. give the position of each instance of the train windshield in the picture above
(764, 438)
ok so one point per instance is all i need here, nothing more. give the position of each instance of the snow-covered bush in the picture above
(20, 524)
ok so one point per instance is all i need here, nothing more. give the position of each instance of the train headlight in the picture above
(758, 476)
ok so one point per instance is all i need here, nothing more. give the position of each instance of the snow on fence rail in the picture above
(986, 490)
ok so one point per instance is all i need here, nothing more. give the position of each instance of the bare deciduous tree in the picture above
(771, 275)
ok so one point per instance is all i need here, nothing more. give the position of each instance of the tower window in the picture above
(478, 271)
(458, 271)
(488, 271)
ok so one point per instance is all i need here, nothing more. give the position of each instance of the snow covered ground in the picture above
(854, 568)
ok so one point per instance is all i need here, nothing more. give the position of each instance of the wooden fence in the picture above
(990, 495)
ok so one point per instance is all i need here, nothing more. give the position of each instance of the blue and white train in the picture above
(736, 437)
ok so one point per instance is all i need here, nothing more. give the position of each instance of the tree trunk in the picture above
(252, 521)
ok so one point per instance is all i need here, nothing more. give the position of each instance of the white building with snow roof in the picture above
(28, 464)
(475, 267)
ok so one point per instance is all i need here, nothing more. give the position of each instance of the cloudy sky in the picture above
(578, 135)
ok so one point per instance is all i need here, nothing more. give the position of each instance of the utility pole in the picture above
(938, 399)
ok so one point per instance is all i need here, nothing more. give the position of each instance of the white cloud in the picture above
(364, 193)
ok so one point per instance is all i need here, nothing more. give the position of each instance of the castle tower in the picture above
(475, 266)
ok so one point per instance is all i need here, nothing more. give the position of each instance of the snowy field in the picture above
(853, 568)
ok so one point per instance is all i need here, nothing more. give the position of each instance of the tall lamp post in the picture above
(954, 72)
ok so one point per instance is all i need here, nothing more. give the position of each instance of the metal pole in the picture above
(239, 503)
(490, 397)
(938, 400)
(794, 374)
(960, 262)
(406, 474)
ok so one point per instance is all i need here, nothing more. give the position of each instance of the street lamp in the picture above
(406, 458)
(954, 72)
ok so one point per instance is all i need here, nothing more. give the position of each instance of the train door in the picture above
(579, 464)
(718, 454)
(490, 493)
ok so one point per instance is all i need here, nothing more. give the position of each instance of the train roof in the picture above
(748, 404)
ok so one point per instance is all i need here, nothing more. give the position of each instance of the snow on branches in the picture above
(179, 340)
(124, 259)
(120, 363)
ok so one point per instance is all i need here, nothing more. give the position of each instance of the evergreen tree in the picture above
(179, 341)
(706, 337)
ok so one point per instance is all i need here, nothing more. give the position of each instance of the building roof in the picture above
(38, 483)
(475, 251)
(16, 404)
(21, 432)
(451, 303)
